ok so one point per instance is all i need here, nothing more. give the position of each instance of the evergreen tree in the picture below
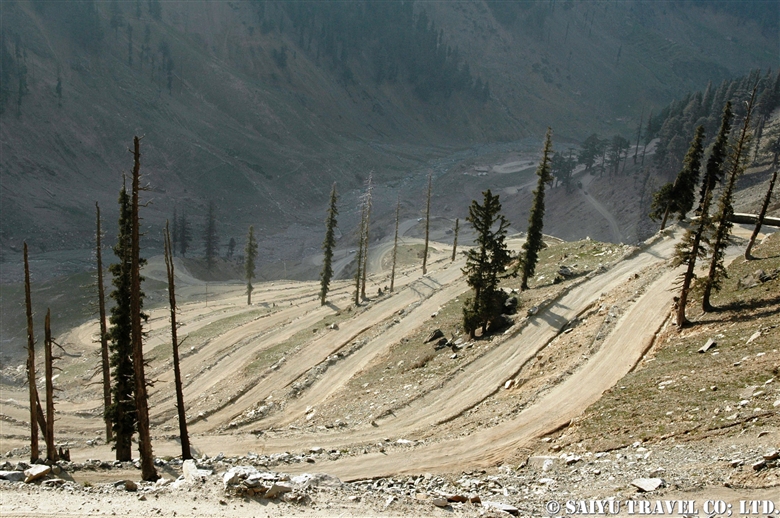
(122, 410)
(210, 239)
(725, 213)
(694, 242)
(590, 151)
(533, 243)
(185, 235)
(231, 248)
(714, 172)
(678, 198)
(250, 254)
(327, 246)
(486, 264)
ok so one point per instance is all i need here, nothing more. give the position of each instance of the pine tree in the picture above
(486, 263)
(327, 246)
(726, 210)
(210, 239)
(250, 254)
(694, 242)
(185, 235)
(122, 410)
(678, 198)
(427, 224)
(533, 243)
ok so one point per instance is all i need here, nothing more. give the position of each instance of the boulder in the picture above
(277, 490)
(437, 333)
(440, 502)
(194, 474)
(707, 346)
(499, 323)
(307, 480)
(35, 472)
(566, 272)
(646, 485)
(498, 506)
(510, 306)
(12, 476)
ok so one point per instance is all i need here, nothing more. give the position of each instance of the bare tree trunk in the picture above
(183, 435)
(395, 243)
(103, 328)
(639, 134)
(148, 472)
(34, 453)
(51, 452)
(427, 225)
(366, 240)
(455, 243)
(762, 214)
(359, 258)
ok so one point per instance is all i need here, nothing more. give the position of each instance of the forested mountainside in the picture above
(260, 105)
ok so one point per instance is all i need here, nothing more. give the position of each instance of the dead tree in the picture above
(103, 328)
(148, 472)
(395, 243)
(183, 435)
(34, 404)
(455, 243)
(427, 224)
(774, 145)
(51, 452)
(366, 228)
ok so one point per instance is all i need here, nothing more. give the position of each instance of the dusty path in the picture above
(617, 356)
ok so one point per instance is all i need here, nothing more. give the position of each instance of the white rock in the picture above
(192, 473)
(35, 472)
(306, 480)
(276, 490)
(646, 485)
(498, 506)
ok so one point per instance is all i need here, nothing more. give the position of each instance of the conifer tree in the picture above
(694, 242)
(327, 246)
(395, 243)
(725, 213)
(250, 254)
(122, 409)
(185, 235)
(210, 239)
(678, 198)
(533, 243)
(486, 263)
(427, 224)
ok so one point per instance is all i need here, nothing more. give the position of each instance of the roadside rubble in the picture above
(636, 471)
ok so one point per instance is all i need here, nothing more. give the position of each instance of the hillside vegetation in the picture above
(261, 105)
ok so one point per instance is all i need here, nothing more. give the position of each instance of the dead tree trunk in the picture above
(148, 472)
(103, 328)
(762, 214)
(455, 243)
(395, 243)
(427, 225)
(34, 454)
(359, 258)
(366, 229)
(51, 452)
(183, 435)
